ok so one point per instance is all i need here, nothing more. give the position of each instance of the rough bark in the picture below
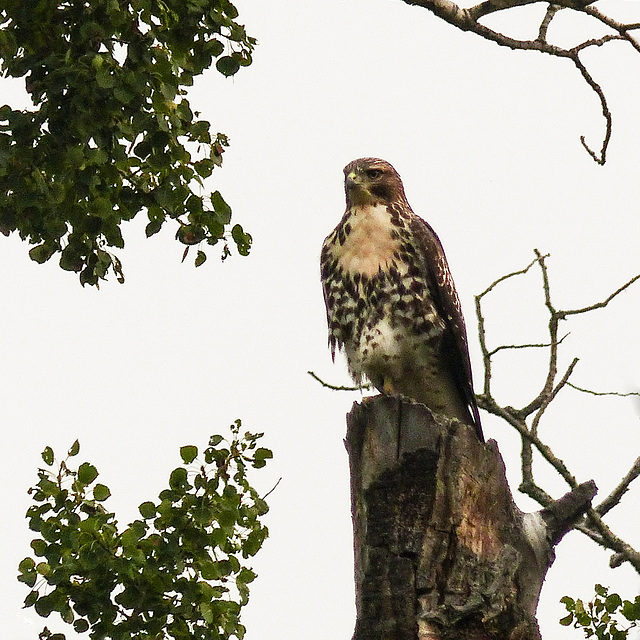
(441, 550)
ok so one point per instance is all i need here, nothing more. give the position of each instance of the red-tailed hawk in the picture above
(391, 302)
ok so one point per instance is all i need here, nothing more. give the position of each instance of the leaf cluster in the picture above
(600, 618)
(112, 132)
(177, 572)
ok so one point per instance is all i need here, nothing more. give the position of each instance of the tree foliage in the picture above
(601, 618)
(112, 132)
(177, 572)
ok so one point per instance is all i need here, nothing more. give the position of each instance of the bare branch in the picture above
(491, 6)
(624, 551)
(533, 345)
(546, 401)
(275, 486)
(593, 525)
(622, 29)
(552, 9)
(547, 388)
(616, 495)
(469, 20)
(602, 157)
(618, 394)
(486, 356)
(337, 388)
(604, 303)
(507, 276)
(513, 418)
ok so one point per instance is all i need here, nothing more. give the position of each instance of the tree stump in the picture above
(441, 550)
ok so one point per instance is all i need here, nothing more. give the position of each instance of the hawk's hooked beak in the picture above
(350, 179)
(357, 189)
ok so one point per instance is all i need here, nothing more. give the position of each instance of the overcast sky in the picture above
(487, 143)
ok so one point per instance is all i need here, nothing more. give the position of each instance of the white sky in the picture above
(487, 142)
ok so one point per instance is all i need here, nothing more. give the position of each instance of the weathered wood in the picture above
(441, 550)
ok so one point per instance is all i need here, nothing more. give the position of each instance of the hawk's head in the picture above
(371, 180)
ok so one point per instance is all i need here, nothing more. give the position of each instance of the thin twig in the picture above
(534, 345)
(619, 394)
(275, 486)
(602, 157)
(622, 29)
(486, 355)
(604, 303)
(337, 388)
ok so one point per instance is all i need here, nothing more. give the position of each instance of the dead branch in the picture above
(616, 495)
(604, 393)
(334, 387)
(526, 420)
(469, 19)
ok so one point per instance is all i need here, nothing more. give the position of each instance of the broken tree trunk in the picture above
(441, 550)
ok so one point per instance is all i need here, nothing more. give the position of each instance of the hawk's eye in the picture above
(372, 174)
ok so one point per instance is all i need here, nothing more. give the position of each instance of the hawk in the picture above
(391, 302)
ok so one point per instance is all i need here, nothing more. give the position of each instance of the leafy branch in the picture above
(111, 132)
(601, 618)
(177, 573)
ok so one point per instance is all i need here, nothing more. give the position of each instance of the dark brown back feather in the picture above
(448, 306)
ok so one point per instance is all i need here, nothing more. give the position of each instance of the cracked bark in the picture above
(441, 550)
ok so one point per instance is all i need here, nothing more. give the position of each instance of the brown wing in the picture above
(445, 297)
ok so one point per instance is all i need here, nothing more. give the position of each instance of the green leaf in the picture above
(29, 578)
(75, 449)
(39, 546)
(210, 570)
(222, 209)
(134, 533)
(178, 479)
(147, 510)
(227, 65)
(201, 257)
(190, 234)
(246, 576)
(567, 620)
(71, 258)
(153, 227)
(612, 602)
(253, 543)
(47, 456)
(80, 626)
(104, 79)
(188, 453)
(46, 604)
(28, 564)
(206, 612)
(101, 492)
(243, 240)
(42, 252)
(261, 455)
(87, 473)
